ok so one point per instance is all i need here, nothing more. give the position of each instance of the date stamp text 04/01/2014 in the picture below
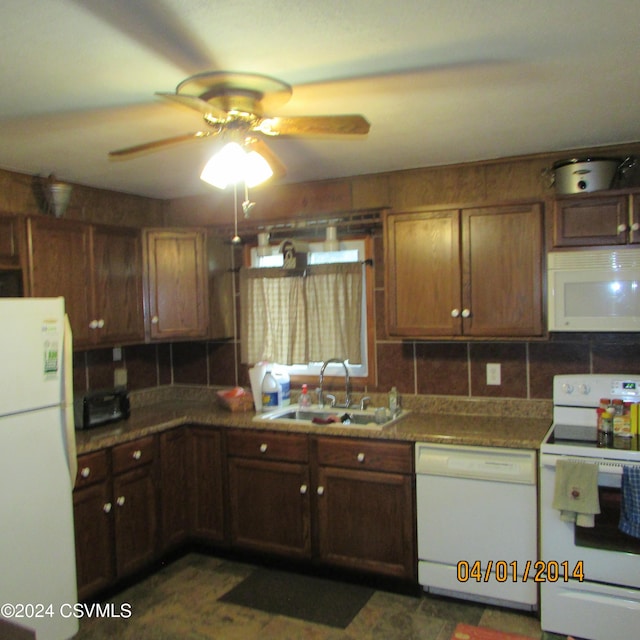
(536, 571)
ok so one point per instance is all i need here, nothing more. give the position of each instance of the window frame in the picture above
(333, 371)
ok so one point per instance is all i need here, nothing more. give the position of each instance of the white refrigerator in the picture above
(37, 469)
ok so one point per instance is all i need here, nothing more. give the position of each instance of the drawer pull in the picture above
(303, 489)
(360, 457)
(106, 507)
(320, 490)
(137, 454)
(263, 448)
(120, 501)
(85, 472)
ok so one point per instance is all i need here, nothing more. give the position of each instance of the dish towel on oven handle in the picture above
(630, 503)
(576, 492)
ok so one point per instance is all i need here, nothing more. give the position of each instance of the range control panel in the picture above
(586, 390)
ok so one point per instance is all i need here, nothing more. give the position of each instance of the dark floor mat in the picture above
(318, 600)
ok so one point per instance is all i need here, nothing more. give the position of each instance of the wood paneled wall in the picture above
(490, 181)
(22, 193)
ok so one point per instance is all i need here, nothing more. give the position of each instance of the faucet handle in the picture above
(364, 403)
(332, 398)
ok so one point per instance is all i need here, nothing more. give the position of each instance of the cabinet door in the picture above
(423, 273)
(366, 521)
(590, 221)
(174, 512)
(502, 271)
(117, 285)
(206, 489)
(176, 283)
(10, 241)
(59, 265)
(634, 233)
(269, 506)
(95, 560)
(134, 505)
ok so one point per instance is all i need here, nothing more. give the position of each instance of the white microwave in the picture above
(594, 290)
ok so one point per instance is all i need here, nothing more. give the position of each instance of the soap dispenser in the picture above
(394, 401)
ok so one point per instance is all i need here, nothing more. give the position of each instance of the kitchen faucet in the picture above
(347, 399)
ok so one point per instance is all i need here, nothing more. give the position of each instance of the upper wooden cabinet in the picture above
(591, 220)
(473, 272)
(176, 290)
(12, 256)
(59, 265)
(221, 293)
(97, 269)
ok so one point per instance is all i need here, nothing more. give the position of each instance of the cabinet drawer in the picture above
(133, 454)
(92, 468)
(365, 454)
(268, 445)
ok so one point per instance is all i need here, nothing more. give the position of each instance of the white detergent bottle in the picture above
(270, 391)
(283, 379)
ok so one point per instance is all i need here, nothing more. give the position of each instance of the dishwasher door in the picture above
(477, 523)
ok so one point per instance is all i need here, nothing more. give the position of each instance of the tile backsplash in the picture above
(415, 367)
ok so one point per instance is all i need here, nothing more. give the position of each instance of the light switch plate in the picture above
(120, 377)
(493, 373)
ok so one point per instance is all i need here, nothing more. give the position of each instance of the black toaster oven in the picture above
(96, 408)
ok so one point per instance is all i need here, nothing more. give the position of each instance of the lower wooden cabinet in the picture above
(365, 506)
(174, 511)
(269, 504)
(115, 514)
(92, 505)
(345, 502)
(339, 501)
(205, 484)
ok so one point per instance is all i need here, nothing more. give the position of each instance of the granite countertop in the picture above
(425, 422)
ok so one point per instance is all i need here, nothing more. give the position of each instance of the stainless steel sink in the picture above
(332, 416)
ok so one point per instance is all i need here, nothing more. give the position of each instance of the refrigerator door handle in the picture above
(67, 372)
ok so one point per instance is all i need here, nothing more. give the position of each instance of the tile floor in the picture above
(180, 602)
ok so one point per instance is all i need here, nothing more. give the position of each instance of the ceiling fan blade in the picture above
(314, 125)
(194, 102)
(148, 146)
(254, 144)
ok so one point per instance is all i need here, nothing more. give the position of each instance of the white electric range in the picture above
(590, 587)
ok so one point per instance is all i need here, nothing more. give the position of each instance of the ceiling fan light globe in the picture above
(232, 164)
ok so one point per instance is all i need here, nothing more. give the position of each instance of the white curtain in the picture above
(294, 317)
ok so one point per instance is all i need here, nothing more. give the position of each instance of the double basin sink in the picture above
(372, 418)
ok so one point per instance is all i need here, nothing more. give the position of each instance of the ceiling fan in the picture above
(239, 106)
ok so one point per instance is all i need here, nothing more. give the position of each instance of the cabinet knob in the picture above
(120, 501)
(320, 490)
(155, 320)
(360, 457)
(622, 228)
(85, 472)
(106, 507)
(455, 313)
(263, 448)
(465, 313)
(101, 324)
(303, 489)
(635, 226)
(137, 454)
(93, 324)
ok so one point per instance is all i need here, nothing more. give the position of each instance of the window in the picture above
(351, 252)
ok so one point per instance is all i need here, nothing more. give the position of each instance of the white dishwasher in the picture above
(477, 523)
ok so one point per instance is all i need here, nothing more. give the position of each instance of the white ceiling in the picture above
(440, 81)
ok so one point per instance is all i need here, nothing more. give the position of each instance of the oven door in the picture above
(600, 554)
